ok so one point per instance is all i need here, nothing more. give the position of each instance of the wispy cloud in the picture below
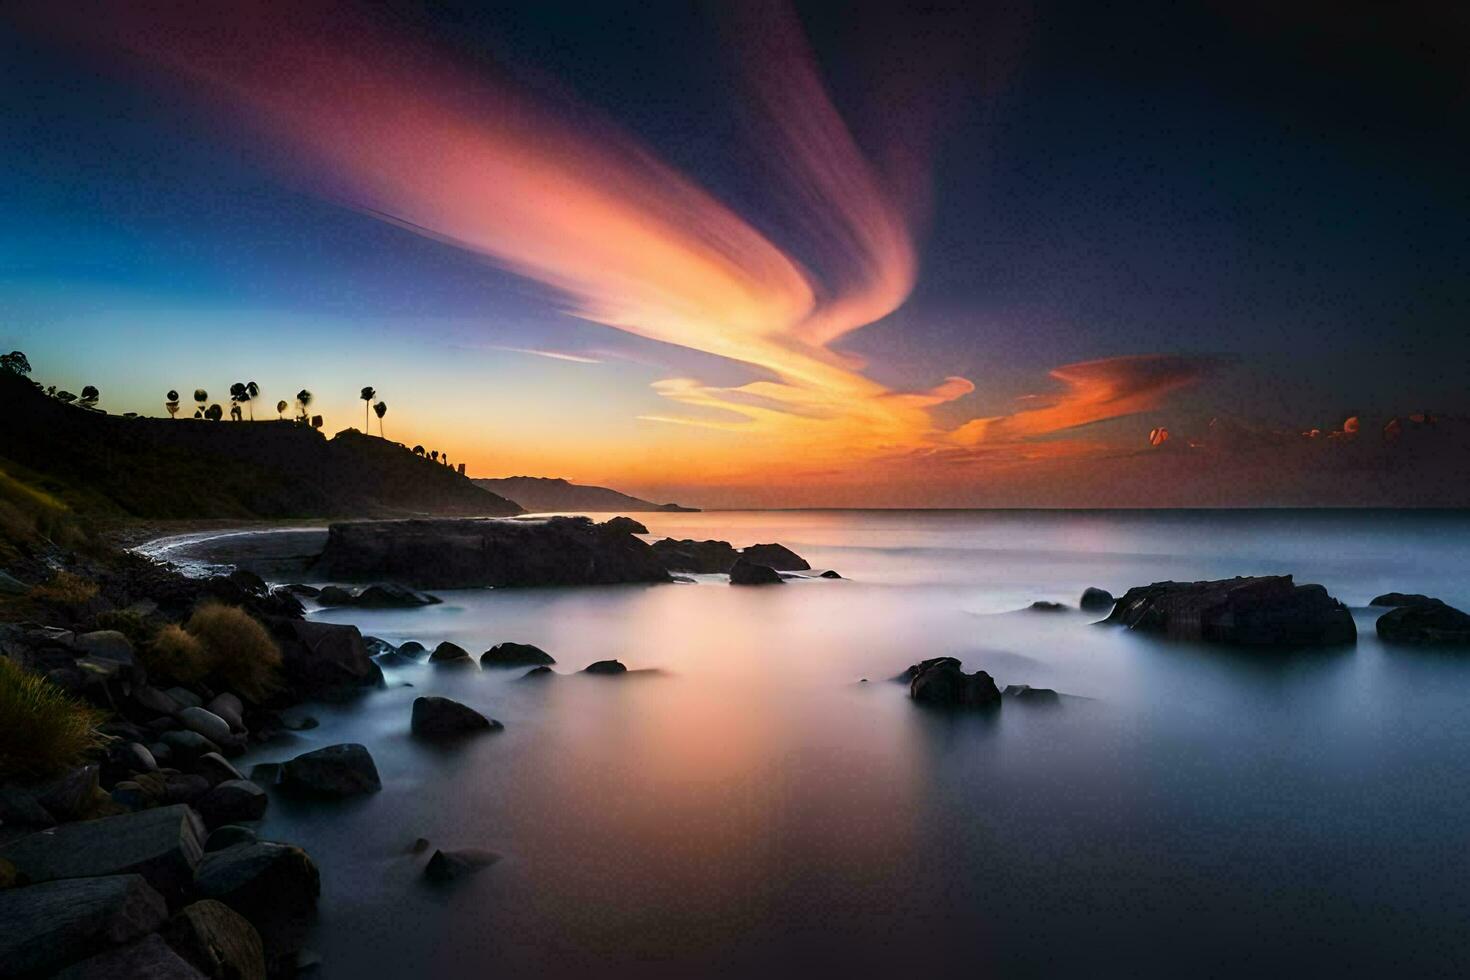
(555, 355)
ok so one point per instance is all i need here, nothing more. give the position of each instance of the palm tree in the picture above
(367, 395)
(172, 404)
(252, 392)
(237, 395)
(90, 397)
(200, 396)
(303, 399)
(281, 407)
(380, 409)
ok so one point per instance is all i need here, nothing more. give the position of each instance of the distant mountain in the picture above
(540, 495)
(182, 468)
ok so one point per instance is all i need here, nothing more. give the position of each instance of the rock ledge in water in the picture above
(443, 718)
(1096, 600)
(1432, 623)
(942, 682)
(1264, 611)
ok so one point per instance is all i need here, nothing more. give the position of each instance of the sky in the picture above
(763, 254)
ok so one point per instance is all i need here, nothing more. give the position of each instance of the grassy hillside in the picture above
(187, 468)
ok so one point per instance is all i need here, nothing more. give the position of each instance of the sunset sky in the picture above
(762, 255)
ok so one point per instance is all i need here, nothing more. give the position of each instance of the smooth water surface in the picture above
(742, 804)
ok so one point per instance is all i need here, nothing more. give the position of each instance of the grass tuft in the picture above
(177, 655)
(66, 589)
(43, 730)
(241, 653)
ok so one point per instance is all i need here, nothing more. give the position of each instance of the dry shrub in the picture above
(241, 653)
(65, 589)
(43, 730)
(176, 654)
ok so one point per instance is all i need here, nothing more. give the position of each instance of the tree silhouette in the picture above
(303, 400)
(65, 396)
(252, 392)
(367, 395)
(200, 396)
(316, 421)
(434, 455)
(281, 407)
(172, 403)
(90, 397)
(237, 395)
(214, 413)
(15, 362)
(380, 409)
(418, 450)
(235, 413)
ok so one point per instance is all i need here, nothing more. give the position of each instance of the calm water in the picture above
(747, 807)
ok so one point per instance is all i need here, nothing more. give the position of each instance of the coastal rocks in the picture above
(163, 845)
(942, 682)
(323, 660)
(206, 723)
(625, 524)
(1265, 611)
(1041, 605)
(217, 941)
(230, 708)
(387, 595)
(442, 718)
(334, 595)
(538, 672)
(1403, 599)
(460, 553)
(745, 572)
(149, 957)
(228, 836)
(449, 654)
(335, 772)
(1042, 697)
(274, 886)
(448, 866)
(47, 925)
(776, 556)
(1096, 600)
(413, 649)
(515, 655)
(829, 573)
(606, 668)
(703, 557)
(232, 801)
(1431, 623)
(186, 747)
(216, 768)
(248, 580)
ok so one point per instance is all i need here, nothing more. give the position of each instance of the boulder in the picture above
(625, 524)
(449, 654)
(914, 670)
(274, 886)
(153, 700)
(1403, 599)
(392, 596)
(535, 672)
(745, 572)
(310, 591)
(184, 697)
(150, 957)
(705, 557)
(184, 787)
(443, 718)
(186, 747)
(1038, 696)
(107, 645)
(230, 708)
(1434, 623)
(162, 845)
(1041, 605)
(228, 836)
(829, 573)
(413, 649)
(942, 682)
(776, 556)
(1096, 600)
(606, 667)
(232, 801)
(336, 771)
(394, 661)
(216, 768)
(45, 926)
(70, 796)
(206, 723)
(446, 866)
(449, 553)
(323, 660)
(137, 758)
(285, 602)
(334, 595)
(248, 580)
(515, 655)
(217, 941)
(19, 808)
(1266, 611)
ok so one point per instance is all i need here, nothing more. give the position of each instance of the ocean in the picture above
(758, 798)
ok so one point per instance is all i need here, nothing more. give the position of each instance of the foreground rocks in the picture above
(45, 926)
(324, 660)
(386, 595)
(942, 682)
(334, 772)
(719, 557)
(274, 886)
(217, 941)
(1265, 611)
(163, 846)
(1427, 623)
(435, 717)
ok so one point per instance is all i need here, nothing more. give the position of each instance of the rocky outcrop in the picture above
(274, 886)
(435, 717)
(704, 557)
(515, 655)
(43, 927)
(1403, 599)
(776, 556)
(606, 667)
(336, 771)
(942, 682)
(1096, 600)
(324, 660)
(449, 654)
(162, 845)
(1432, 623)
(745, 572)
(1267, 611)
(625, 524)
(448, 554)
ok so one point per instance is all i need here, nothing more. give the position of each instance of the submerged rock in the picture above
(1096, 600)
(1432, 623)
(443, 718)
(705, 557)
(538, 672)
(606, 667)
(1026, 694)
(745, 572)
(515, 655)
(776, 556)
(447, 866)
(1261, 612)
(829, 573)
(1041, 605)
(413, 649)
(334, 595)
(941, 681)
(336, 771)
(43, 927)
(393, 596)
(449, 654)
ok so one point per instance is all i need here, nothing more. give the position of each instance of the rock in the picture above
(106, 644)
(216, 768)
(745, 572)
(942, 682)
(1403, 599)
(310, 591)
(163, 845)
(286, 603)
(449, 654)
(1260, 612)
(336, 771)
(625, 524)
(1041, 605)
(538, 672)
(914, 670)
(149, 957)
(391, 596)
(447, 553)
(233, 801)
(447, 866)
(206, 723)
(228, 836)
(10, 585)
(274, 886)
(1434, 623)
(156, 701)
(1026, 694)
(1096, 600)
(414, 649)
(776, 556)
(376, 646)
(515, 655)
(395, 661)
(419, 845)
(299, 723)
(248, 580)
(704, 557)
(184, 788)
(230, 708)
(43, 927)
(20, 809)
(184, 697)
(323, 660)
(441, 718)
(71, 795)
(185, 747)
(267, 773)
(217, 941)
(829, 573)
(130, 795)
(606, 667)
(334, 595)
